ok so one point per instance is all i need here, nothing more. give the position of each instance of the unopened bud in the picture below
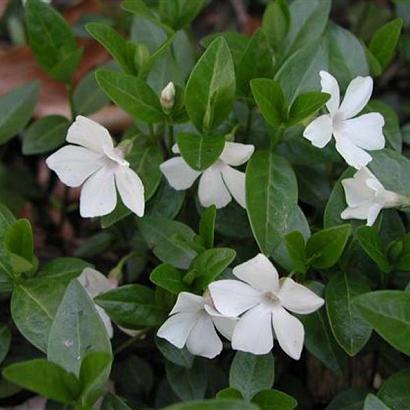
(168, 97)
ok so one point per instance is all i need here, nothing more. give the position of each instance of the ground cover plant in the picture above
(204, 205)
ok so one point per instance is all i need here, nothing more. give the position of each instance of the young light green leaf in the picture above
(16, 108)
(306, 105)
(210, 91)
(229, 393)
(19, 240)
(199, 151)
(276, 22)
(270, 99)
(179, 13)
(168, 278)
(274, 399)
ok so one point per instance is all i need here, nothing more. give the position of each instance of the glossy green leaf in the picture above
(200, 152)
(18, 240)
(274, 399)
(213, 404)
(180, 357)
(168, 278)
(305, 105)
(64, 268)
(276, 22)
(295, 245)
(210, 91)
(207, 226)
(394, 391)
(373, 403)
(179, 13)
(271, 198)
(112, 402)
(403, 259)
(229, 393)
(251, 373)
(5, 340)
(350, 399)
(16, 108)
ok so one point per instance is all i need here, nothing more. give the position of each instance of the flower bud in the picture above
(168, 97)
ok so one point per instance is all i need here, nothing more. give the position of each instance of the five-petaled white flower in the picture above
(352, 135)
(192, 323)
(366, 197)
(95, 163)
(264, 301)
(218, 183)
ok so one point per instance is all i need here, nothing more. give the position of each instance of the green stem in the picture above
(170, 136)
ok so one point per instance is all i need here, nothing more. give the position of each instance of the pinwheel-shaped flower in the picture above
(366, 197)
(99, 167)
(192, 323)
(352, 135)
(218, 183)
(264, 301)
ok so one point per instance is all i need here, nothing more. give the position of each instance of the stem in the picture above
(170, 136)
(131, 341)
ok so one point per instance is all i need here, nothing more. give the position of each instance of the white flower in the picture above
(352, 135)
(264, 301)
(168, 96)
(218, 183)
(366, 197)
(192, 323)
(95, 163)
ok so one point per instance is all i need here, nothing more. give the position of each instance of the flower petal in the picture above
(258, 272)
(329, 85)
(365, 131)
(357, 212)
(106, 320)
(203, 339)
(357, 95)
(319, 131)
(232, 297)
(131, 189)
(253, 333)
(236, 154)
(235, 182)
(356, 189)
(178, 173)
(177, 328)
(224, 324)
(95, 282)
(352, 154)
(98, 196)
(373, 214)
(298, 298)
(89, 134)
(188, 302)
(74, 165)
(212, 189)
(289, 331)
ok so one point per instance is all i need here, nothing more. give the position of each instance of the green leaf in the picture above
(251, 373)
(229, 393)
(384, 41)
(179, 13)
(403, 260)
(168, 278)
(324, 248)
(271, 197)
(52, 40)
(372, 244)
(188, 383)
(199, 151)
(131, 94)
(112, 402)
(16, 108)
(350, 399)
(270, 100)
(386, 311)
(274, 399)
(276, 22)
(207, 226)
(373, 403)
(213, 404)
(131, 306)
(46, 134)
(256, 62)
(350, 330)
(76, 331)
(210, 91)
(305, 105)
(94, 373)
(44, 378)
(5, 340)
(64, 268)
(88, 97)
(295, 245)
(180, 357)
(19, 240)
(395, 392)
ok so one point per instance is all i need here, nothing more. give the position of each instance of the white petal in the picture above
(353, 155)
(212, 189)
(232, 297)
(236, 154)
(224, 324)
(177, 328)
(373, 214)
(203, 339)
(89, 134)
(289, 331)
(129, 332)
(356, 189)
(106, 320)
(188, 302)
(178, 173)
(357, 95)
(131, 189)
(175, 149)
(235, 182)
(259, 272)
(253, 333)
(74, 165)
(329, 85)
(98, 196)
(357, 212)
(365, 131)
(298, 298)
(95, 282)
(319, 131)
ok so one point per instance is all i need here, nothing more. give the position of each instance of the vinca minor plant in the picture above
(240, 241)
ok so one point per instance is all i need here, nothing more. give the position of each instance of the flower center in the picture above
(271, 298)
